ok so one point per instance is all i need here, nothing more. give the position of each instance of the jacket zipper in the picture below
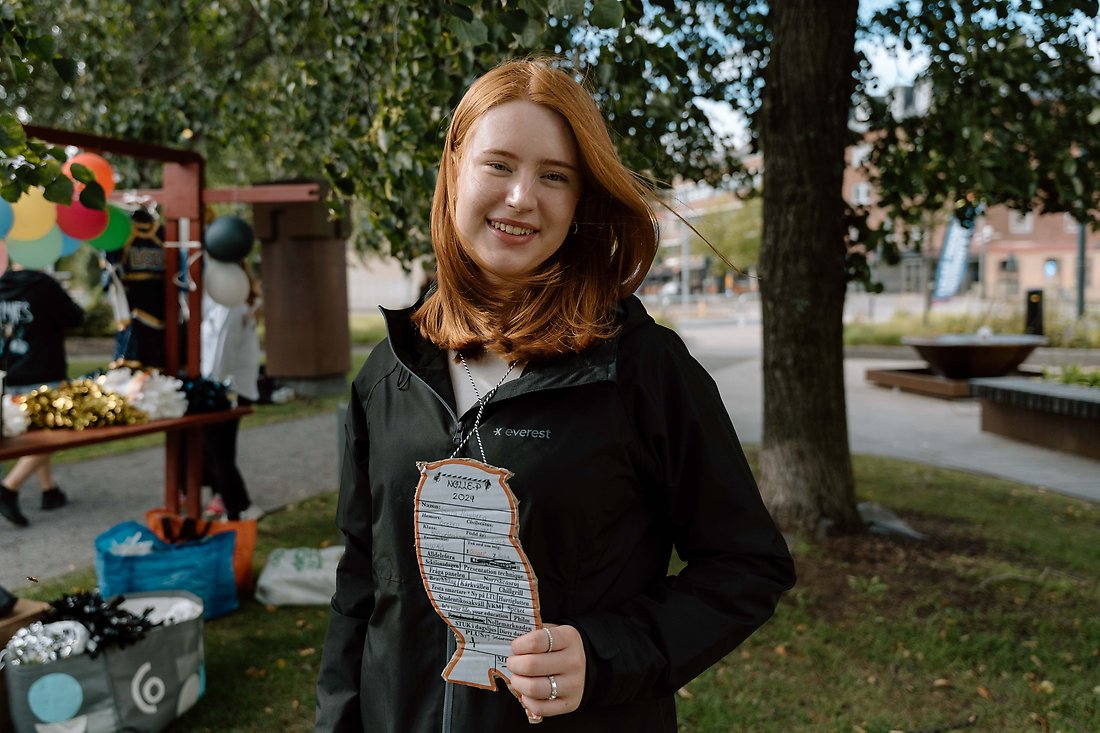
(448, 687)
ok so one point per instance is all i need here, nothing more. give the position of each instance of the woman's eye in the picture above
(497, 166)
(556, 177)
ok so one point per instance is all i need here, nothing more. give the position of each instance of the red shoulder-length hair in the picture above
(569, 302)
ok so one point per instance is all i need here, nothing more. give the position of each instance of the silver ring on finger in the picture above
(553, 687)
(549, 640)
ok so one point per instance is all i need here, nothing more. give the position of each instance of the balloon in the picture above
(80, 222)
(36, 254)
(34, 216)
(225, 282)
(7, 218)
(229, 239)
(3, 258)
(117, 232)
(100, 168)
(69, 244)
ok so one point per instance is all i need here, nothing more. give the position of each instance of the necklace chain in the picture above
(481, 402)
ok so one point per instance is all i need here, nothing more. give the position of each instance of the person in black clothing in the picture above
(34, 312)
(140, 268)
(532, 354)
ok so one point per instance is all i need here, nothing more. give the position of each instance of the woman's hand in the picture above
(540, 668)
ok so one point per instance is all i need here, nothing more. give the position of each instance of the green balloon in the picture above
(37, 254)
(118, 230)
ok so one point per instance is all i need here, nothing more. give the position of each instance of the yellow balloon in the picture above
(34, 216)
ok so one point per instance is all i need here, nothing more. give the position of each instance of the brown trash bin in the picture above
(304, 270)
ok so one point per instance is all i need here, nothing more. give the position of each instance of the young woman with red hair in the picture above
(531, 353)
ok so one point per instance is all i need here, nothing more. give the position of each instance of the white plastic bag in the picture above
(299, 576)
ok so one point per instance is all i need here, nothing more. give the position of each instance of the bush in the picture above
(1062, 329)
(1073, 374)
(99, 321)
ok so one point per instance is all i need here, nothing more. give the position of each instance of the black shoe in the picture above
(54, 499)
(9, 508)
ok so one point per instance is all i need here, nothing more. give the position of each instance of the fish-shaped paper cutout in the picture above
(473, 566)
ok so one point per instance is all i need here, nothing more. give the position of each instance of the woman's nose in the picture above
(520, 196)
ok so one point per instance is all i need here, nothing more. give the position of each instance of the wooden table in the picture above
(183, 455)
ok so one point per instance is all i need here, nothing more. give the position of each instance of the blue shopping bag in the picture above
(203, 567)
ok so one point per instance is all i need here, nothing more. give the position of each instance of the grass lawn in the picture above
(991, 625)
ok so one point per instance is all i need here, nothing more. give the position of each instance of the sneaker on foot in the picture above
(252, 512)
(215, 508)
(54, 499)
(9, 508)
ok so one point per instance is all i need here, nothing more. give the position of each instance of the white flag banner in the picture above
(951, 269)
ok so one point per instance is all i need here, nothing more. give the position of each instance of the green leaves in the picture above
(12, 137)
(606, 14)
(25, 163)
(566, 8)
(66, 68)
(60, 191)
(91, 196)
(468, 33)
(1010, 116)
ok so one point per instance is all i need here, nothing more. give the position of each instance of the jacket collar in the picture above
(429, 362)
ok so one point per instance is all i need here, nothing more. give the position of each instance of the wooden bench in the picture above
(1062, 417)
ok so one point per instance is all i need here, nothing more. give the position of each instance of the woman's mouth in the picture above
(514, 230)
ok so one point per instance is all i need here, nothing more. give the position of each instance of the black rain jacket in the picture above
(619, 454)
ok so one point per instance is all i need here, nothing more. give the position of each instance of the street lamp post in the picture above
(1081, 241)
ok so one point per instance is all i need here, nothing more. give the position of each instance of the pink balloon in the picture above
(80, 222)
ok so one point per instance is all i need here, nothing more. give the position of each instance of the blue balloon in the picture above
(69, 244)
(7, 218)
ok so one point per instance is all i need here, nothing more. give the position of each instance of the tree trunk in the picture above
(805, 463)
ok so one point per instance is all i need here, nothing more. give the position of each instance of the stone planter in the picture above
(955, 359)
(966, 356)
(1063, 417)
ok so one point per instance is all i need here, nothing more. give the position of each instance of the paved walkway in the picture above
(289, 461)
(282, 463)
(889, 422)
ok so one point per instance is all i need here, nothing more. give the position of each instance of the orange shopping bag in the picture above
(174, 528)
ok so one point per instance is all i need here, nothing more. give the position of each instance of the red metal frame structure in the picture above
(182, 195)
(179, 197)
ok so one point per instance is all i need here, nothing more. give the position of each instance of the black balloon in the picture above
(229, 239)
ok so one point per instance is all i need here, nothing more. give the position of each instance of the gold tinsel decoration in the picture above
(78, 405)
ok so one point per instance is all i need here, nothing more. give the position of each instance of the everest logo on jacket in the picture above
(541, 434)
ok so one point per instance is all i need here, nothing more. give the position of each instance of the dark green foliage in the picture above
(360, 91)
(1011, 110)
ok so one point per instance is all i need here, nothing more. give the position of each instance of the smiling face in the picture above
(519, 181)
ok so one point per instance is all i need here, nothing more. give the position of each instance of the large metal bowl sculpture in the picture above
(967, 356)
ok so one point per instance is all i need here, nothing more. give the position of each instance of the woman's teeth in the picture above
(509, 229)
